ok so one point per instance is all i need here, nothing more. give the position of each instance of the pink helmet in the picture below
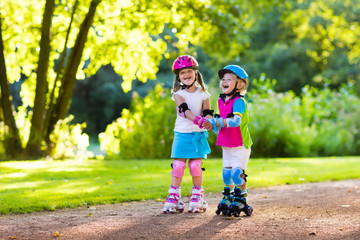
(184, 61)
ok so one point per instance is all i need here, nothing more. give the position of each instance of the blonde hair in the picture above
(198, 80)
(243, 91)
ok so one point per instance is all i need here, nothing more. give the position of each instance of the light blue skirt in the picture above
(190, 145)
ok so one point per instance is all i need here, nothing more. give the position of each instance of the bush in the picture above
(277, 128)
(319, 122)
(67, 139)
(146, 131)
(335, 116)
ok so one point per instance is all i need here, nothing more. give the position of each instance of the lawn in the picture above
(28, 186)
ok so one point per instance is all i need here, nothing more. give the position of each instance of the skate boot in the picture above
(224, 204)
(173, 202)
(197, 202)
(240, 204)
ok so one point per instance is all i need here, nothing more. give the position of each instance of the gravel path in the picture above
(329, 210)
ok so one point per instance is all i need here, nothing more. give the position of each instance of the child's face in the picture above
(228, 83)
(187, 76)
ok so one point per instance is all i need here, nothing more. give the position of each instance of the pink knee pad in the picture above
(195, 168)
(178, 168)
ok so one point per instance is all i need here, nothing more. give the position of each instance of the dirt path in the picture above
(328, 210)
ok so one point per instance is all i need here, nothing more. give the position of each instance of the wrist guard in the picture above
(201, 121)
(221, 122)
(198, 121)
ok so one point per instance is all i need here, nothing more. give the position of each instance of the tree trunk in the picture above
(69, 76)
(59, 74)
(33, 148)
(12, 143)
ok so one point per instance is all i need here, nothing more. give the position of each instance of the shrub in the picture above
(335, 116)
(144, 131)
(68, 140)
(277, 128)
(319, 122)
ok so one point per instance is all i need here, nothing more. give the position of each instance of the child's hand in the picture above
(212, 121)
(207, 125)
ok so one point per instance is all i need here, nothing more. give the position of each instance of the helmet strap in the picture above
(233, 91)
(183, 86)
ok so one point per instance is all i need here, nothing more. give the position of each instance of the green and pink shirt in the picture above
(234, 136)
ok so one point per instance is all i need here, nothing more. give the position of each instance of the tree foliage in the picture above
(99, 99)
(53, 43)
(81, 36)
(306, 42)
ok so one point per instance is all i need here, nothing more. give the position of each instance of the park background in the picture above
(89, 80)
(76, 70)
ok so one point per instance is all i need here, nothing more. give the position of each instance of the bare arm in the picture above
(206, 105)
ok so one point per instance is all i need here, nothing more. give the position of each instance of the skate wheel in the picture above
(217, 212)
(236, 214)
(248, 210)
(181, 210)
(204, 209)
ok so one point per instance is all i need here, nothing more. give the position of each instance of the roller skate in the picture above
(173, 202)
(197, 202)
(225, 203)
(240, 204)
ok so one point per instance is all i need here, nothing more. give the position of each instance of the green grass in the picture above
(28, 186)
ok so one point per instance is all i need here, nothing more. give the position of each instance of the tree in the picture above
(129, 34)
(306, 43)
(34, 143)
(13, 139)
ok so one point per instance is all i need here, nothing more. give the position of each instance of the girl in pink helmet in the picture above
(190, 134)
